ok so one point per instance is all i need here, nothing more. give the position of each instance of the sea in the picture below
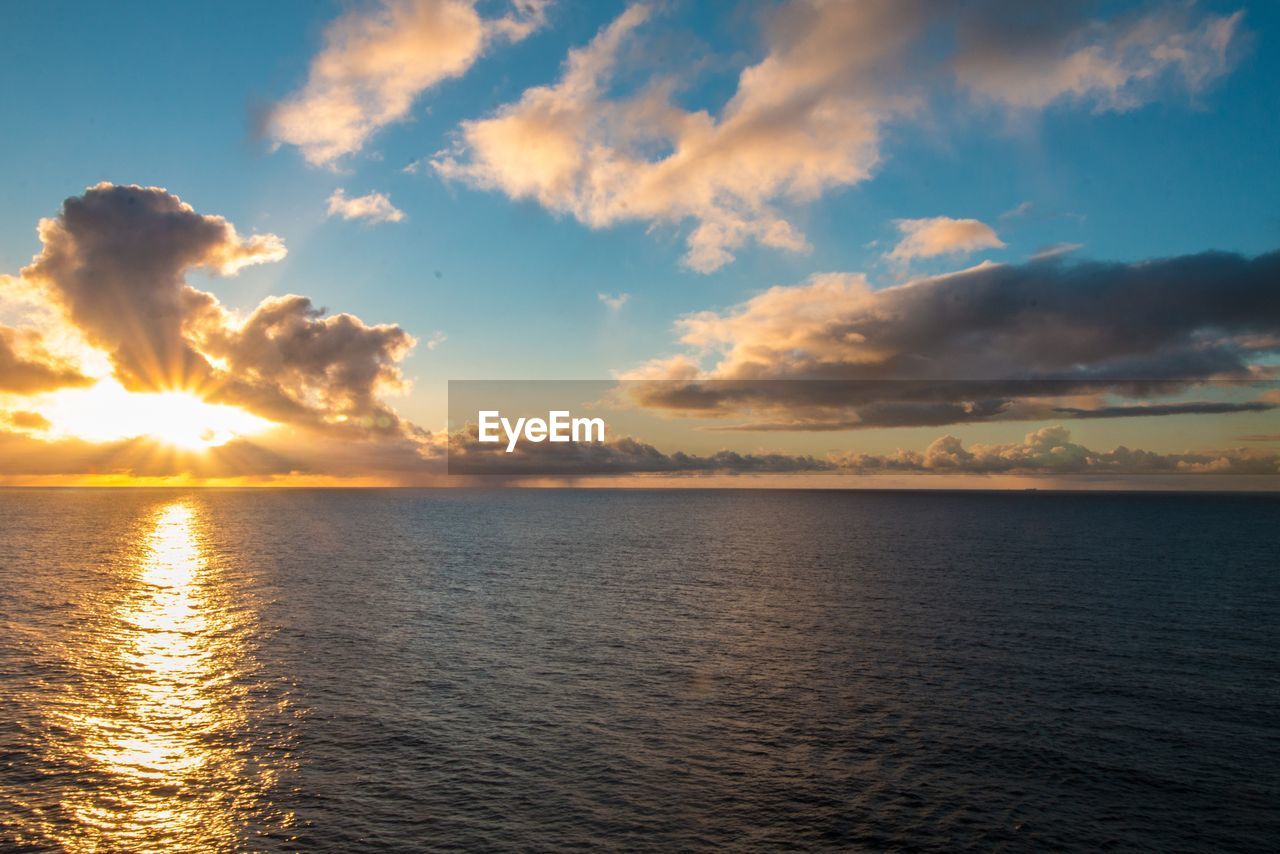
(648, 670)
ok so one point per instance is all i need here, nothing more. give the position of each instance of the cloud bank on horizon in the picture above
(1047, 451)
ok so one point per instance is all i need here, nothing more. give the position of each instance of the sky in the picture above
(281, 230)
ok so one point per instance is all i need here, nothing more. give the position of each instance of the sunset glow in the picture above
(108, 412)
(810, 286)
(656, 425)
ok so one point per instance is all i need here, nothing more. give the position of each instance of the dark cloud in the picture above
(1030, 55)
(468, 456)
(115, 262)
(290, 361)
(115, 259)
(1050, 451)
(1193, 408)
(1047, 451)
(990, 342)
(940, 414)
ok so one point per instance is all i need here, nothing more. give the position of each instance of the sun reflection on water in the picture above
(159, 728)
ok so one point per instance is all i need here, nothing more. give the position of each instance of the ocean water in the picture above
(663, 670)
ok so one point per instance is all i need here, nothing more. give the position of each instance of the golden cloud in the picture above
(807, 118)
(112, 275)
(942, 235)
(377, 61)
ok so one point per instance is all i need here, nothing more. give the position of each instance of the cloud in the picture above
(292, 456)
(942, 235)
(1019, 211)
(1057, 250)
(804, 119)
(1046, 451)
(378, 59)
(1030, 61)
(1192, 315)
(1198, 407)
(469, 456)
(1050, 450)
(979, 344)
(873, 410)
(373, 207)
(114, 260)
(26, 367)
(23, 420)
(808, 117)
(289, 362)
(113, 271)
(614, 302)
(1028, 210)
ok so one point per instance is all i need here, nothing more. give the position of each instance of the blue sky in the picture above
(176, 96)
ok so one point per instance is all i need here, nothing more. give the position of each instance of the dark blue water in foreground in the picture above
(326, 670)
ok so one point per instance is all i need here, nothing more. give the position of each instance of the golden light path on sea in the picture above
(156, 723)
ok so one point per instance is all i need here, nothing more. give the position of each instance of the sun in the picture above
(108, 412)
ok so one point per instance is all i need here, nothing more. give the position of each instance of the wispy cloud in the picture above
(1029, 210)
(1057, 250)
(1032, 61)
(1018, 211)
(614, 302)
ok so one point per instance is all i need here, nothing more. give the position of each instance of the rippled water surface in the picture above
(332, 670)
